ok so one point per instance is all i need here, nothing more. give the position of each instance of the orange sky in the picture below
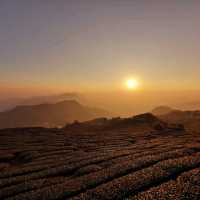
(94, 46)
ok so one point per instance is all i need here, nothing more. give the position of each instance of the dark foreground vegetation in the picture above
(136, 158)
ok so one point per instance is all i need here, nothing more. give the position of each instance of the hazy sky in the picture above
(96, 44)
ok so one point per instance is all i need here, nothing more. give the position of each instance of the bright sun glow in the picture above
(132, 84)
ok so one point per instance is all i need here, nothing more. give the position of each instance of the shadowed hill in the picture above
(140, 123)
(48, 115)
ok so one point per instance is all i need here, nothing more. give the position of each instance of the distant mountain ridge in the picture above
(48, 114)
(53, 98)
(13, 102)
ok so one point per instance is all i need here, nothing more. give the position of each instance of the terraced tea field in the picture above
(123, 163)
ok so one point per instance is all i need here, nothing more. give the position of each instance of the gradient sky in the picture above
(90, 44)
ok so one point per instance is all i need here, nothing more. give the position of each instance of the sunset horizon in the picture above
(99, 100)
(87, 46)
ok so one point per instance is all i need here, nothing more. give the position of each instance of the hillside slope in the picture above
(135, 162)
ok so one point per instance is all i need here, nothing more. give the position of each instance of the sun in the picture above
(132, 84)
